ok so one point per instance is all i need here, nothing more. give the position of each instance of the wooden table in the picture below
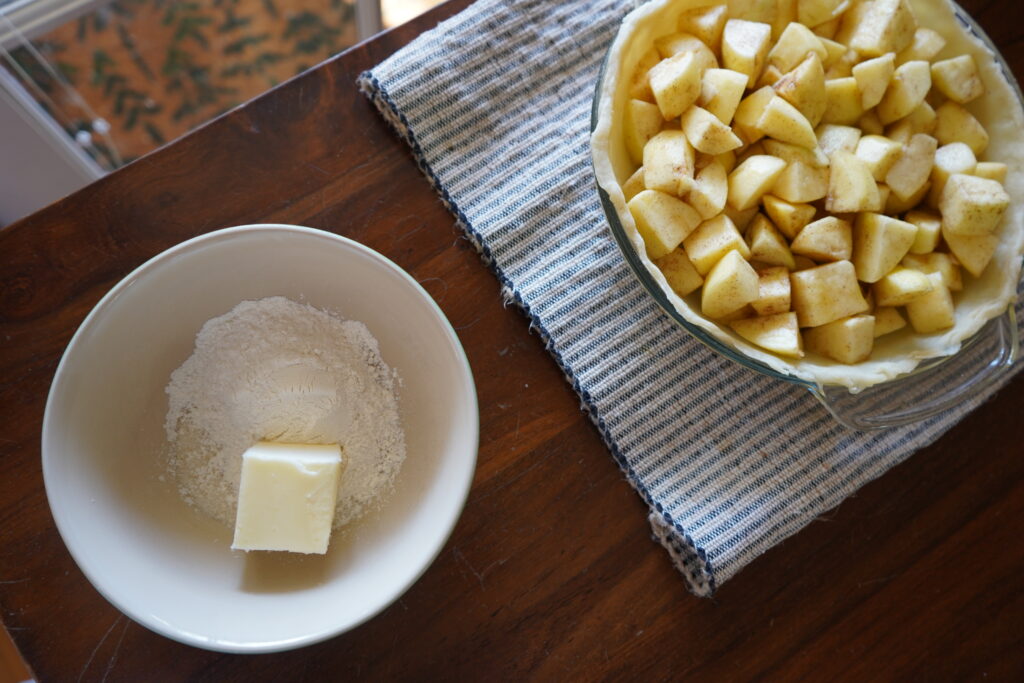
(551, 572)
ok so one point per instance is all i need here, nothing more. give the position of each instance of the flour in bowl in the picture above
(278, 370)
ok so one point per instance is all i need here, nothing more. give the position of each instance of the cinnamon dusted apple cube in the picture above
(848, 340)
(888, 319)
(707, 133)
(925, 45)
(993, 170)
(641, 122)
(752, 179)
(879, 153)
(682, 277)
(815, 12)
(833, 138)
(721, 92)
(706, 23)
(793, 46)
(712, 240)
(954, 123)
(669, 163)
(933, 311)
(907, 89)
(710, 190)
(745, 47)
(827, 239)
(851, 186)
(680, 43)
(804, 88)
(937, 262)
(789, 218)
(958, 79)
(749, 112)
(675, 83)
(799, 183)
(731, 285)
(842, 101)
(885, 26)
(773, 292)
(900, 286)
(873, 77)
(767, 245)
(662, 220)
(879, 242)
(972, 251)
(912, 170)
(955, 157)
(929, 229)
(972, 206)
(826, 293)
(777, 333)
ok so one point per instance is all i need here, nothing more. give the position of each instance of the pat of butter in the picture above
(287, 496)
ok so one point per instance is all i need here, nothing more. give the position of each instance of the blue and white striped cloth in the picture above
(495, 104)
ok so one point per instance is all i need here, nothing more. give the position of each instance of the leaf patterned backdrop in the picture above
(153, 69)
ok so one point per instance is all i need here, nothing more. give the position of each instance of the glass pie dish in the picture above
(976, 362)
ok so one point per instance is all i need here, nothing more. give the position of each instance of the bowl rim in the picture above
(152, 622)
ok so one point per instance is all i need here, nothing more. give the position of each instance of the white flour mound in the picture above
(277, 370)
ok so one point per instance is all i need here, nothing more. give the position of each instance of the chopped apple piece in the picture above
(752, 179)
(971, 205)
(782, 121)
(972, 251)
(895, 205)
(912, 169)
(669, 163)
(907, 89)
(731, 285)
(706, 23)
(879, 242)
(634, 185)
(842, 97)
(826, 293)
(937, 262)
(799, 183)
(712, 240)
(642, 121)
(815, 12)
(929, 228)
(900, 286)
(789, 218)
(888, 319)
(955, 157)
(676, 83)
(745, 46)
(767, 245)
(707, 133)
(848, 340)
(873, 77)
(833, 51)
(832, 138)
(769, 76)
(958, 79)
(814, 158)
(741, 219)
(925, 45)
(804, 88)
(721, 92)
(662, 220)
(956, 124)
(710, 189)
(795, 43)
(933, 311)
(886, 26)
(682, 277)
(749, 112)
(826, 239)
(778, 333)
(640, 83)
(679, 43)
(772, 291)
(879, 153)
(851, 187)
(727, 160)
(993, 170)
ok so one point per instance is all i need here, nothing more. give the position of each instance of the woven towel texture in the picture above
(495, 104)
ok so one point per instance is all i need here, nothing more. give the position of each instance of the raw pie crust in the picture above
(895, 354)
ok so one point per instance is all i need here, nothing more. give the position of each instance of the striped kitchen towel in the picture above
(495, 104)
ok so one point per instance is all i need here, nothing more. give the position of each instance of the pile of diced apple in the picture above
(813, 171)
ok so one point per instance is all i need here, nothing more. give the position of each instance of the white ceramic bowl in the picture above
(163, 564)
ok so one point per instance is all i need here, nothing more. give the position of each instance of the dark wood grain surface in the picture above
(551, 572)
